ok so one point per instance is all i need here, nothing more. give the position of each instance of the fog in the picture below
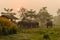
(52, 5)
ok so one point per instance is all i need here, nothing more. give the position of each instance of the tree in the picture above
(43, 15)
(26, 13)
(31, 13)
(58, 12)
(22, 12)
(8, 12)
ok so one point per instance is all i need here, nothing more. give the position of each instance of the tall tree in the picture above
(8, 12)
(58, 12)
(22, 12)
(31, 13)
(43, 15)
(27, 13)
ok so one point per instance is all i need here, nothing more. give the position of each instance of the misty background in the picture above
(52, 5)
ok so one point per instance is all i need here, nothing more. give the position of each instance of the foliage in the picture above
(58, 12)
(27, 13)
(7, 26)
(35, 34)
(22, 11)
(31, 13)
(8, 12)
(43, 15)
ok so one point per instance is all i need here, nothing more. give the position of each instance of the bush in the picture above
(7, 27)
(46, 37)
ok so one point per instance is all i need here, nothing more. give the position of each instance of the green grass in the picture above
(34, 34)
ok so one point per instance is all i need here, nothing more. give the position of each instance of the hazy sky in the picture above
(52, 5)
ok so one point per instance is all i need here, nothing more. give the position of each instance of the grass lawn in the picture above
(34, 34)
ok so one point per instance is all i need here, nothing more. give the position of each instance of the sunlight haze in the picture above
(52, 5)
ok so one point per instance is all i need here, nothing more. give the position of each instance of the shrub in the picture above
(46, 36)
(7, 27)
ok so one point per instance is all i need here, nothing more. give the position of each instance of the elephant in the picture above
(49, 24)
